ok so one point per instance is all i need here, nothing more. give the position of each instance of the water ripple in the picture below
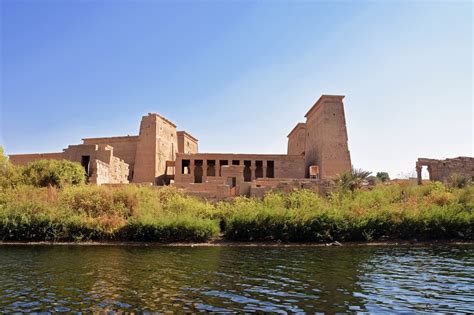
(40, 279)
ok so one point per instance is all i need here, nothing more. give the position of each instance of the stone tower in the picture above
(157, 143)
(326, 137)
(297, 140)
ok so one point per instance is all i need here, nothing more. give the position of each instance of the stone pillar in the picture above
(217, 168)
(264, 169)
(204, 170)
(191, 167)
(418, 175)
(430, 173)
(252, 169)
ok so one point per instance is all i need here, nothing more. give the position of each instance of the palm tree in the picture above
(459, 181)
(352, 180)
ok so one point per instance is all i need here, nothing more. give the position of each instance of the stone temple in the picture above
(162, 155)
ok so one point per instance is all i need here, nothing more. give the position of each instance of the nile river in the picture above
(267, 279)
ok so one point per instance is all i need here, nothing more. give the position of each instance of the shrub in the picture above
(459, 181)
(351, 181)
(136, 213)
(82, 213)
(9, 174)
(386, 212)
(58, 173)
(383, 176)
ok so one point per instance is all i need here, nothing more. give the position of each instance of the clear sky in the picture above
(239, 75)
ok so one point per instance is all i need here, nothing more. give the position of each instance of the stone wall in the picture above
(442, 170)
(167, 147)
(23, 159)
(212, 189)
(256, 165)
(125, 147)
(187, 143)
(157, 144)
(297, 140)
(114, 173)
(326, 141)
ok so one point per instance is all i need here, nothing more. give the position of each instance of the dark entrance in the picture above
(85, 162)
(198, 171)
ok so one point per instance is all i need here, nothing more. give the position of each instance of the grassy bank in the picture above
(131, 213)
(82, 213)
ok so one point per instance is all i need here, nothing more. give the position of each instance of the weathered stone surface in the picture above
(442, 170)
(326, 137)
(297, 140)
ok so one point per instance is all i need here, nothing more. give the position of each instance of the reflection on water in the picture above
(272, 279)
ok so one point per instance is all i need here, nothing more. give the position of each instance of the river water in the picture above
(267, 279)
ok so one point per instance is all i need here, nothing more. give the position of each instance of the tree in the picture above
(4, 162)
(59, 173)
(350, 181)
(383, 176)
(459, 181)
(9, 174)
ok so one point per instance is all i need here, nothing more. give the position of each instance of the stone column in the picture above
(204, 170)
(418, 175)
(431, 175)
(191, 167)
(217, 168)
(264, 169)
(252, 169)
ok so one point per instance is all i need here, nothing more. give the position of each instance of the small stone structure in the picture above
(441, 170)
(161, 155)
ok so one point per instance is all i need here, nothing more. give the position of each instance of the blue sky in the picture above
(239, 75)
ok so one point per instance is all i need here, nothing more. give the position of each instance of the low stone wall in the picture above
(212, 189)
(261, 186)
(23, 159)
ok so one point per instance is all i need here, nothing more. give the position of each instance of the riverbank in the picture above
(224, 243)
(86, 213)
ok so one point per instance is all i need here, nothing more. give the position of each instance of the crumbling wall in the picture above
(442, 170)
(99, 173)
(115, 172)
(104, 168)
(125, 147)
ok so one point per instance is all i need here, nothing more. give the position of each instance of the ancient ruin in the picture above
(442, 170)
(161, 155)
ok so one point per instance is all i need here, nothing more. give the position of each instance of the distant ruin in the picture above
(161, 155)
(442, 170)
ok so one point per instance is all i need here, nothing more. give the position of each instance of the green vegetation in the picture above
(383, 176)
(353, 180)
(430, 212)
(81, 213)
(69, 210)
(42, 173)
(9, 175)
(74, 213)
(459, 181)
(57, 173)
